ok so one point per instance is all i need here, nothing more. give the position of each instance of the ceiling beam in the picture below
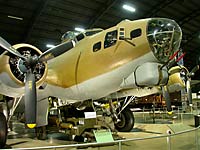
(158, 7)
(99, 15)
(190, 37)
(186, 19)
(189, 17)
(194, 50)
(34, 19)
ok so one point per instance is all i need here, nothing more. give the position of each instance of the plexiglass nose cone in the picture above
(164, 36)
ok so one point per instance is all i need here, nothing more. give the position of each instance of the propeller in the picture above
(4, 44)
(166, 96)
(30, 99)
(187, 79)
(188, 83)
(30, 63)
(189, 91)
(192, 72)
(56, 51)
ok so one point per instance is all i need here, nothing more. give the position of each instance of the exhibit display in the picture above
(101, 78)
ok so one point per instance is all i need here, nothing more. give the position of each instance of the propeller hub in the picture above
(31, 62)
(20, 66)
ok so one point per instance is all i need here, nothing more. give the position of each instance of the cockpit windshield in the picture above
(164, 37)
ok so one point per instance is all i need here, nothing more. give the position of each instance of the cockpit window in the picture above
(90, 33)
(80, 37)
(97, 46)
(110, 38)
(69, 35)
(164, 37)
(135, 33)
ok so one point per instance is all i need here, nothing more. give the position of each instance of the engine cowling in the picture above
(12, 74)
(177, 78)
(146, 75)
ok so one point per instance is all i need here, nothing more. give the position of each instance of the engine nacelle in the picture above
(12, 74)
(146, 75)
(177, 78)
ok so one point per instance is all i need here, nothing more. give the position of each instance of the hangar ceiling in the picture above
(44, 21)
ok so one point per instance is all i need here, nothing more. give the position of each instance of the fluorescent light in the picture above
(76, 33)
(14, 17)
(50, 45)
(79, 29)
(129, 8)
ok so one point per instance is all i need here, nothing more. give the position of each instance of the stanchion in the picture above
(169, 139)
(119, 145)
(197, 138)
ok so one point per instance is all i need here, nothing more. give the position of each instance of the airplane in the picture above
(93, 65)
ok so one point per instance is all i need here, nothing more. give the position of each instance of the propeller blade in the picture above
(56, 51)
(4, 44)
(188, 84)
(30, 99)
(167, 99)
(194, 70)
(189, 91)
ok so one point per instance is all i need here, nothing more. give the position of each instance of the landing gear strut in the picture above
(3, 130)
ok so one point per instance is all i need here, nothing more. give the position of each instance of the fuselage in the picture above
(99, 63)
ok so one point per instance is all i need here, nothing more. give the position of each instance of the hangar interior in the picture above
(43, 23)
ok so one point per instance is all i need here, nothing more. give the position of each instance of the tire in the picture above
(3, 130)
(79, 138)
(127, 121)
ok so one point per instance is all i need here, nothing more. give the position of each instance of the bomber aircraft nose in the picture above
(164, 36)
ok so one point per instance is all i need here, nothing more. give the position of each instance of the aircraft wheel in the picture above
(79, 138)
(41, 133)
(126, 121)
(3, 130)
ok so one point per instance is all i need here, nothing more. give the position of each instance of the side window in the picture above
(135, 33)
(79, 37)
(96, 46)
(110, 39)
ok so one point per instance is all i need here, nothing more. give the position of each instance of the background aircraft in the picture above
(96, 64)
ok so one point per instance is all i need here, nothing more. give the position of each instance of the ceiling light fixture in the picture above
(14, 17)
(79, 29)
(129, 8)
(50, 45)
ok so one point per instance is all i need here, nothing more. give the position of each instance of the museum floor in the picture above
(22, 138)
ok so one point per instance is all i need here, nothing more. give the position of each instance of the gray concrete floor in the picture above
(22, 137)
